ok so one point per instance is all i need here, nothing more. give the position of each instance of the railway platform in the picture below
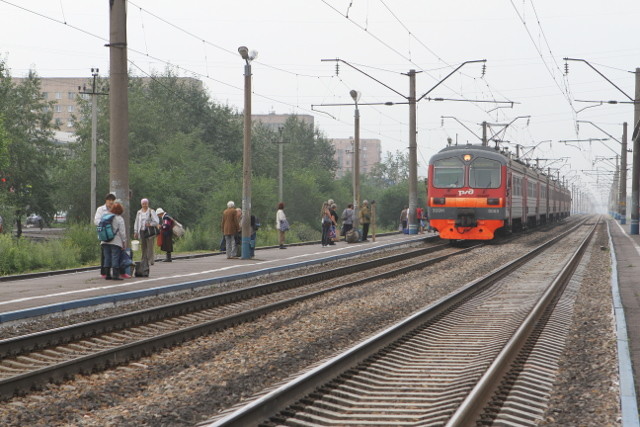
(625, 281)
(57, 293)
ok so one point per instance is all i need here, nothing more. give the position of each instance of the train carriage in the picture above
(474, 191)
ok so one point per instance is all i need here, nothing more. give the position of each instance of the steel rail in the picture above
(474, 403)
(278, 399)
(123, 353)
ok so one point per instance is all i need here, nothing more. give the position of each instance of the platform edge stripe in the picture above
(628, 398)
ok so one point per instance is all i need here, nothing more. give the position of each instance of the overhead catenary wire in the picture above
(229, 51)
(553, 77)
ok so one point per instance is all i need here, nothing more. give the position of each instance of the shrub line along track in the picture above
(333, 387)
(32, 360)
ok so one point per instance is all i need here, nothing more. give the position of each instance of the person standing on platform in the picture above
(238, 237)
(165, 239)
(255, 225)
(112, 249)
(365, 219)
(230, 226)
(109, 199)
(347, 219)
(327, 221)
(420, 219)
(333, 230)
(404, 217)
(146, 219)
(282, 225)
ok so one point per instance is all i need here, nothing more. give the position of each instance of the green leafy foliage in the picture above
(79, 247)
(25, 143)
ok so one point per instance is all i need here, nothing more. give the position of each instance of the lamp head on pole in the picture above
(246, 55)
(355, 95)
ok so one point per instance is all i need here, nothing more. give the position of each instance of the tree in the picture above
(393, 170)
(31, 152)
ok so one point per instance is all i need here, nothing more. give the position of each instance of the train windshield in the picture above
(448, 173)
(484, 173)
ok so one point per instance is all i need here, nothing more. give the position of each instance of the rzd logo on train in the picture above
(468, 192)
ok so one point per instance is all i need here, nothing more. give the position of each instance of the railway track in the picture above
(474, 357)
(32, 360)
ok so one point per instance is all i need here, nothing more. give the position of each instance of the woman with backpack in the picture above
(113, 248)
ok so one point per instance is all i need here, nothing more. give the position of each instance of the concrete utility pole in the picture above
(623, 176)
(635, 178)
(413, 156)
(94, 137)
(280, 143)
(484, 134)
(119, 106)
(355, 95)
(246, 154)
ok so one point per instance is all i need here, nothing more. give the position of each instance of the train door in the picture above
(509, 219)
(525, 202)
(537, 190)
(547, 195)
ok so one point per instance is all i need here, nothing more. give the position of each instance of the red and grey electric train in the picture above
(474, 191)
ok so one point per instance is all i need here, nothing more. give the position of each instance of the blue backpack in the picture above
(105, 228)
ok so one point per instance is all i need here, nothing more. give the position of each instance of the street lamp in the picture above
(246, 154)
(355, 95)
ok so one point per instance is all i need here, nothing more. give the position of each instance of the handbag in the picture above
(178, 229)
(150, 231)
(332, 232)
(284, 225)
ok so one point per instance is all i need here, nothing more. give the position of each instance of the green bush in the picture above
(83, 238)
(22, 255)
(198, 239)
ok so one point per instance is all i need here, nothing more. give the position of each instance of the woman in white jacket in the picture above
(282, 225)
(146, 218)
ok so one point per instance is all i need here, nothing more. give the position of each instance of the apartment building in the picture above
(370, 154)
(274, 121)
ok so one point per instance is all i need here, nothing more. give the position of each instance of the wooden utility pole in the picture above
(94, 137)
(622, 198)
(373, 220)
(413, 156)
(635, 178)
(119, 106)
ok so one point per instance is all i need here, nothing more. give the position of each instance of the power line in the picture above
(413, 35)
(566, 94)
(231, 52)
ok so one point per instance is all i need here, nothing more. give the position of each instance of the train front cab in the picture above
(467, 193)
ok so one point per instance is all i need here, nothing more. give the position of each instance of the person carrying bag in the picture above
(146, 228)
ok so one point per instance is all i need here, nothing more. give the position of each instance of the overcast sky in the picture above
(524, 43)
